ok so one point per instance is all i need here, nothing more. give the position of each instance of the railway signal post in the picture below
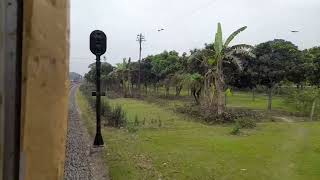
(98, 46)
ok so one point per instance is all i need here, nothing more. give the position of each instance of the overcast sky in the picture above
(188, 24)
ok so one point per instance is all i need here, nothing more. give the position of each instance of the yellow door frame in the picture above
(45, 86)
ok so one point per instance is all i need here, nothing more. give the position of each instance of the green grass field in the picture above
(184, 149)
(240, 99)
(243, 99)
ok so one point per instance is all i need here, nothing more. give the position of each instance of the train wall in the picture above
(45, 86)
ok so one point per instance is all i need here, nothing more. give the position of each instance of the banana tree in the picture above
(222, 52)
(194, 82)
(123, 71)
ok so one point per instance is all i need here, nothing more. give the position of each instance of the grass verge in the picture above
(183, 149)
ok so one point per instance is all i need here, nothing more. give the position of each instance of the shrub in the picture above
(159, 123)
(106, 109)
(302, 100)
(246, 123)
(236, 129)
(118, 117)
(132, 128)
(86, 89)
(209, 114)
(114, 117)
(136, 121)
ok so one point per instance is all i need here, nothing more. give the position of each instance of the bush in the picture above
(246, 123)
(236, 129)
(302, 100)
(106, 109)
(136, 121)
(114, 117)
(86, 89)
(118, 117)
(209, 114)
(132, 128)
(159, 123)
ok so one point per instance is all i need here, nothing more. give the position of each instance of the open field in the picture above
(238, 99)
(244, 99)
(180, 148)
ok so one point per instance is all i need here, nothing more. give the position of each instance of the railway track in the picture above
(77, 163)
(82, 161)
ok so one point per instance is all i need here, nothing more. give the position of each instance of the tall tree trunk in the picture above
(178, 90)
(129, 78)
(195, 95)
(225, 99)
(253, 94)
(313, 108)
(269, 98)
(146, 87)
(167, 90)
(219, 82)
(124, 86)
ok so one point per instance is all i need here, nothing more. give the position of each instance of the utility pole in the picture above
(140, 39)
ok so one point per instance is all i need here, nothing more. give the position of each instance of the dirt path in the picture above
(284, 119)
(82, 161)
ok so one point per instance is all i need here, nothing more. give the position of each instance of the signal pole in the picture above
(98, 46)
(140, 39)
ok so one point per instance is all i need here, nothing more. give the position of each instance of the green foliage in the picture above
(118, 117)
(303, 100)
(106, 110)
(215, 65)
(229, 92)
(136, 121)
(184, 141)
(243, 123)
(236, 130)
(233, 35)
(132, 128)
(272, 60)
(106, 68)
(159, 123)
(208, 114)
(313, 56)
(218, 43)
(113, 116)
(192, 80)
(208, 71)
(246, 123)
(165, 63)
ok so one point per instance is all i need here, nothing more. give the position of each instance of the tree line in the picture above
(209, 72)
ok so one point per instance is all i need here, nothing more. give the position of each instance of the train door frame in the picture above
(11, 42)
